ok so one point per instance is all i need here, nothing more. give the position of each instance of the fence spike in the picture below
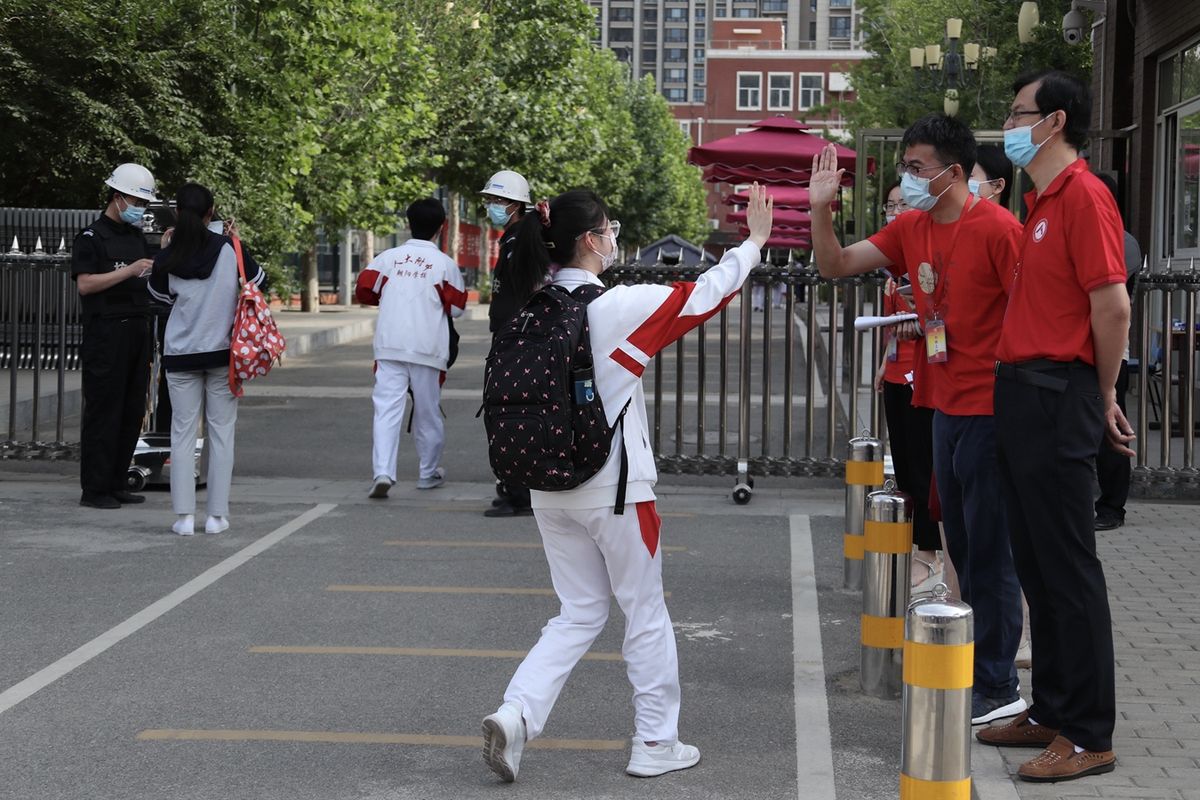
(15, 250)
(62, 246)
(38, 249)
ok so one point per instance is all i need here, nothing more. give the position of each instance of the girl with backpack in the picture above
(592, 550)
(197, 274)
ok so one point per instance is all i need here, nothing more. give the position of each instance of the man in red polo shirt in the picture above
(959, 256)
(1060, 349)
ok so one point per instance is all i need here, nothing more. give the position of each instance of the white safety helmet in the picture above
(509, 185)
(133, 180)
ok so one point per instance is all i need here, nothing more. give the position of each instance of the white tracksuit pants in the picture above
(393, 379)
(594, 554)
(190, 390)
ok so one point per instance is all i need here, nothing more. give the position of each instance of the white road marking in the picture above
(85, 653)
(814, 753)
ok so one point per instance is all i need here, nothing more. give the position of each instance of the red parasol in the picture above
(775, 150)
(784, 197)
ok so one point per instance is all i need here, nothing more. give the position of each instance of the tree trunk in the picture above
(366, 248)
(345, 278)
(310, 297)
(452, 242)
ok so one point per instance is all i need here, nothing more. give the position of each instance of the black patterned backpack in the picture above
(545, 421)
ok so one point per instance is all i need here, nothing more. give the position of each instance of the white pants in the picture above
(594, 553)
(393, 379)
(188, 391)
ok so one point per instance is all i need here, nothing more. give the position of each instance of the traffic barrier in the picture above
(939, 654)
(864, 470)
(886, 563)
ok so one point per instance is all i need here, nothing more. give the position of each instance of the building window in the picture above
(649, 15)
(749, 86)
(812, 90)
(698, 55)
(839, 27)
(675, 95)
(698, 94)
(1178, 153)
(774, 6)
(676, 15)
(699, 15)
(675, 35)
(812, 30)
(621, 15)
(812, 6)
(649, 55)
(720, 10)
(675, 54)
(779, 91)
(675, 75)
(743, 12)
(698, 74)
(649, 35)
(620, 35)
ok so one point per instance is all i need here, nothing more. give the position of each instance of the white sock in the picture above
(1031, 720)
(1078, 749)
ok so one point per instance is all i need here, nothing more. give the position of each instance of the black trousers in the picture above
(1049, 423)
(910, 432)
(1113, 470)
(116, 371)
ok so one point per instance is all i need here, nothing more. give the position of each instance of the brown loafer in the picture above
(1060, 762)
(1018, 732)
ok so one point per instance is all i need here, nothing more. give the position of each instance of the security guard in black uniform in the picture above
(109, 262)
(505, 197)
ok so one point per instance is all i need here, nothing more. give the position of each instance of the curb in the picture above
(990, 779)
(301, 344)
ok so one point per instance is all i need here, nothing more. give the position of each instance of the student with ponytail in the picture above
(593, 551)
(197, 274)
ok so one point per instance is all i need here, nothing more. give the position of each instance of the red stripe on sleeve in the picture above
(364, 287)
(649, 524)
(451, 296)
(627, 361)
(666, 324)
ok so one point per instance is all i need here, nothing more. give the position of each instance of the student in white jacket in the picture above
(417, 288)
(593, 552)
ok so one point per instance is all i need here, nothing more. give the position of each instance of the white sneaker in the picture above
(185, 525)
(433, 481)
(380, 489)
(216, 524)
(646, 761)
(504, 740)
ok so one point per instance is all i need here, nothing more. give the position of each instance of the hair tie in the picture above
(543, 210)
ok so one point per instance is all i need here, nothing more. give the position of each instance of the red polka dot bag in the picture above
(256, 344)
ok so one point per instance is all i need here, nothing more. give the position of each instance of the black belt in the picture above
(1034, 373)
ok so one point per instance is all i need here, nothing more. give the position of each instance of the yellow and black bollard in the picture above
(886, 564)
(864, 470)
(939, 653)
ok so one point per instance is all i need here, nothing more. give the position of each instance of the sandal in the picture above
(930, 580)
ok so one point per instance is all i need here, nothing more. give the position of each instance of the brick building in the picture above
(1146, 85)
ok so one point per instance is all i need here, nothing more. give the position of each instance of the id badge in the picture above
(892, 348)
(935, 341)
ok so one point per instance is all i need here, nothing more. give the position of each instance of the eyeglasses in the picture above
(914, 170)
(135, 201)
(613, 224)
(1016, 112)
(899, 205)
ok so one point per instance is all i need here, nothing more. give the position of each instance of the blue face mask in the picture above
(498, 214)
(916, 190)
(973, 186)
(132, 214)
(1019, 146)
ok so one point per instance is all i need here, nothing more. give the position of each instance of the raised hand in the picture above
(826, 177)
(760, 211)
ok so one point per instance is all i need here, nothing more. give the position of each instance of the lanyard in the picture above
(939, 288)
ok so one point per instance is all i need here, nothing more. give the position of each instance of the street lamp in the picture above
(955, 68)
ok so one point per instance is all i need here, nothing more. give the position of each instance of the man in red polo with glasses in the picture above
(1060, 348)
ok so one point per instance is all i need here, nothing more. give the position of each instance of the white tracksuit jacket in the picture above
(628, 325)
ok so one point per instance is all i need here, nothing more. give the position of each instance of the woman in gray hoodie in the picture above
(197, 273)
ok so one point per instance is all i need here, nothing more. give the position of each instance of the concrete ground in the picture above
(330, 646)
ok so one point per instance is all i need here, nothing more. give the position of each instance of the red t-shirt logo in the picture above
(1039, 231)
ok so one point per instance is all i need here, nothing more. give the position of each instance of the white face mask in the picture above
(889, 219)
(606, 260)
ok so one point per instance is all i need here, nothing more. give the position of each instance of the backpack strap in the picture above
(623, 478)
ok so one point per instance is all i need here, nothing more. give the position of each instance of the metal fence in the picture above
(774, 384)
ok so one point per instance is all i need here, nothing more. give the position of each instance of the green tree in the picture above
(887, 94)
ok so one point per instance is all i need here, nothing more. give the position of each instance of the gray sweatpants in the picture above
(189, 390)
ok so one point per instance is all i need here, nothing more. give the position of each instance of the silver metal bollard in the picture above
(886, 563)
(864, 470)
(939, 656)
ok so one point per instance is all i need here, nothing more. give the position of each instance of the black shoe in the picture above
(1106, 522)
(499, 501)
(99, 501)
(507, 509)
(129, 498)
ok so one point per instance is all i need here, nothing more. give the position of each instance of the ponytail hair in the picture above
(552, 238)
(192, 204)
